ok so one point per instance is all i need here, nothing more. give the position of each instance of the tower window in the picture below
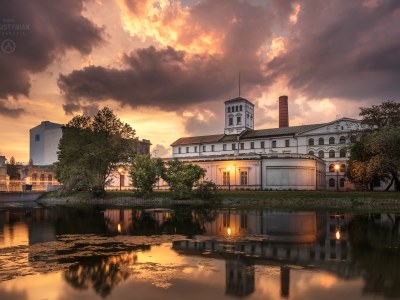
(241, 108)
(37, 137)
(229, 109)
(238, 120)
(230, 121)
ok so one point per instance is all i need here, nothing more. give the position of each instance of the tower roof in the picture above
(238, 99)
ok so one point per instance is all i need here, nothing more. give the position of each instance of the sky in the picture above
(166, 67)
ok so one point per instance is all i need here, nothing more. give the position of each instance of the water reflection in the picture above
(98, 249)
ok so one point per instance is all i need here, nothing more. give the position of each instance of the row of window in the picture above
(331, 140)
(226, 178)
(233, 147)
(42, 177)
(235, 108)
(332, 182)
(331, 153)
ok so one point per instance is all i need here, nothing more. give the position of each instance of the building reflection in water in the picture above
(239, 277)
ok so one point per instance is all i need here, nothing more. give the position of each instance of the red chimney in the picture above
(283, 112)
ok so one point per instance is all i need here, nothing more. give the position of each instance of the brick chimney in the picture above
(283, 112)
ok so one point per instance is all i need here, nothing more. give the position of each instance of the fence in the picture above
(24, 186)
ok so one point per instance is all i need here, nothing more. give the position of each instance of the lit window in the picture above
(243, 178)
(226, 179)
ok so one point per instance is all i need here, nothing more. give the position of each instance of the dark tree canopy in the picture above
(91, 148)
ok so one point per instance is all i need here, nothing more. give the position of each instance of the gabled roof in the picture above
(251, 134)
(198, 139)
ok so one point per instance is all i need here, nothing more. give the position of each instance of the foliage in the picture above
(181, 177)
(382, 116)
(12, 169)
(206, 189)
(91, 148)
(376, 155)
(145, 172)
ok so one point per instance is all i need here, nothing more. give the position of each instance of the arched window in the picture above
(332, 168)
(342, 140)
(353, 138)
(331, 140)
(311, 142)
(34, 177)
(321, 153)
(320, 141)
(42, 178)
(331, 182)
(342, 152)
(311, 152)
(50, 178)
(331, 153)
(342, 168)
(229, 109)
(341, 182)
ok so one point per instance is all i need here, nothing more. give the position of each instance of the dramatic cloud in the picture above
(187, 73)
(35, 33)
(8, 111)
(343, 49)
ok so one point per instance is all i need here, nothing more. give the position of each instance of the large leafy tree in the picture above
(145, 172)
(181, 177)
(376, 155)
(91, 148)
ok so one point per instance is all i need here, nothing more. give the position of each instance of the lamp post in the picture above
(337, 167)
(120, 178)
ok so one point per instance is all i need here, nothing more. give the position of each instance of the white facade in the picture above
(43, 143)
(239, 115)
(329, 142)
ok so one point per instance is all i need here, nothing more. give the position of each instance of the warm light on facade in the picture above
(120, 170)
(337, 234)
(229, 231)
(337, 167)
(228, 168)
(119, 228)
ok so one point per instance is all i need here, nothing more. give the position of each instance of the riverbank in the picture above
(272, 199)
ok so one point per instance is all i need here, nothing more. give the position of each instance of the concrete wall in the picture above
(43, 142)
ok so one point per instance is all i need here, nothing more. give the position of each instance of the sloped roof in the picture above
(238, 99)
(279, 131)
(198, 139)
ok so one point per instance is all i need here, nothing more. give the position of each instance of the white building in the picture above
(43, 143)
(296, 157)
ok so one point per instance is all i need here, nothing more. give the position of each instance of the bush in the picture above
(206, 190)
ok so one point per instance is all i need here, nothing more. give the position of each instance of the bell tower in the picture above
(239, 115)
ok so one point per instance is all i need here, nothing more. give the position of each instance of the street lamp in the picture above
(337, 167)
(120, 170)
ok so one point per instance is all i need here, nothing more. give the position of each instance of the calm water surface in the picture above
(197, 253)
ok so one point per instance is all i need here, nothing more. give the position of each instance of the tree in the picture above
(376, 154)
(181, 177)
(381, 116)
(12, 169)
(145, 172)
(206, 189)
(91, 148)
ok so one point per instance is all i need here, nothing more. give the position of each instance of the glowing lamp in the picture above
(337, 234)
(229, 231)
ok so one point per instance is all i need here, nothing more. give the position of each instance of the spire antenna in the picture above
(239, 83)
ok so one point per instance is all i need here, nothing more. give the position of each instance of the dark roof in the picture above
(198, 139)
(279, 131)
(246, 135)
(238, 99)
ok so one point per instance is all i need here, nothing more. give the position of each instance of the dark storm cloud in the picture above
(170, 79)
(344, 49)
(42, 30)
(10, 112)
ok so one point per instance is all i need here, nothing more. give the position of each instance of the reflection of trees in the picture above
(375, 250)
(102, 274)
